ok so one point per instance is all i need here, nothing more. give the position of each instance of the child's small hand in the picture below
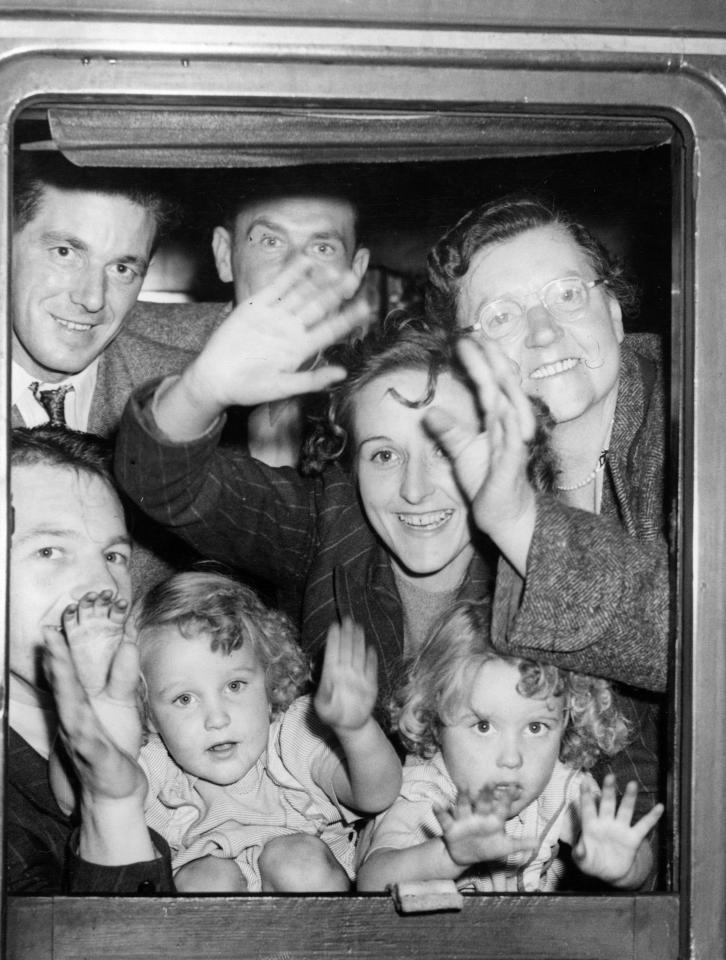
(610, 846)
(348, 685)
(94, 627)
(473, 829)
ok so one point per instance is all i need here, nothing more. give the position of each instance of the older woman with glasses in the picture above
(584, 579)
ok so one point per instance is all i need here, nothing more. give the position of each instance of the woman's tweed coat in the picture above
(596, 594)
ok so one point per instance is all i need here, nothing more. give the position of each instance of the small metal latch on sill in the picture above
(426, 896)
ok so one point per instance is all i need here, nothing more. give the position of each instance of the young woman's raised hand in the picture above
(491, 465)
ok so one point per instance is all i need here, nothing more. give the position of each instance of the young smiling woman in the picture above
(377, 531)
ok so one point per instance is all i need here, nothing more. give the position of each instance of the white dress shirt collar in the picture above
(77, 405)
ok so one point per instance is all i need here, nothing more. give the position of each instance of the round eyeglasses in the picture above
(565, 298)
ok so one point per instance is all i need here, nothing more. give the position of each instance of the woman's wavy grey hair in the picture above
(399, 342)
(501, 220)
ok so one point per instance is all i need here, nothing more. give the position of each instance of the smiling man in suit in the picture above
(82, 242)
(83, 239)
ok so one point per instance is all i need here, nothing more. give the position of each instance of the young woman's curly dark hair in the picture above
(401, 341)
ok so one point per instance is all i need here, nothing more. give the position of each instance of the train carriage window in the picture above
(413, 173)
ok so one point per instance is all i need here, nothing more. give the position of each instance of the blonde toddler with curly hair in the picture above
(255, 785)
(496, 779)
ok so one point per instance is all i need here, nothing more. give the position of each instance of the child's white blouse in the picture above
(554, 817)
(289, 790)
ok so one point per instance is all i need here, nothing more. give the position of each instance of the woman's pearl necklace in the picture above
(601, 461)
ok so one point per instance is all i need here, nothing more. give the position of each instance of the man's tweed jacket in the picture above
(596, 596)
(40, 840)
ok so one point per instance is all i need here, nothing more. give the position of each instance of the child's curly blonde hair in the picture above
(440, 676)
(230, 615)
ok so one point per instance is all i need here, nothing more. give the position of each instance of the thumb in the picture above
(124, 674)
(446, 431)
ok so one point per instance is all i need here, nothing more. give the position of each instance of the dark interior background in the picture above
(624, 196)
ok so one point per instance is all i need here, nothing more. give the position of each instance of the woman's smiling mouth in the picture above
(552, 369)
(425, 521)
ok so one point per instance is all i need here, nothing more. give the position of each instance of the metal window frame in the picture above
(178, 63)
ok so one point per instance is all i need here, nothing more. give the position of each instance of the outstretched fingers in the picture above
(313, 294)
(95, 609)
(497, 384)
(312, 315)
(346, 647)
(303, 278)
(588, 807)
(448, 432)
(646, 823)
(353, 646)
(331, 656)
(609, 800)
(626, 812)
(314, 381)
(338, 322)
(494, 800)
(445, 818)
(370, 664)
(94, 627)
(348, 686)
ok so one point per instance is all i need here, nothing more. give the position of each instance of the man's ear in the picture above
(359, 264)
(616, 317)
(222, 249)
